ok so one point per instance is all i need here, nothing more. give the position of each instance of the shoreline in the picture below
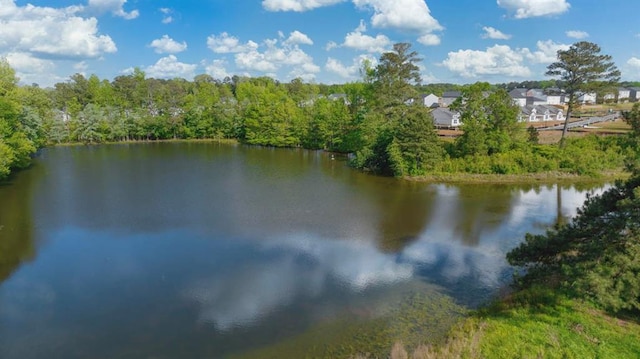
(445, 178)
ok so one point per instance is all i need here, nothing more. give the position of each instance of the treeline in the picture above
(379, 120)
(21, 130)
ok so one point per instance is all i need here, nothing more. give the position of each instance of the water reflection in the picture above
(146, 249)
(16, 223)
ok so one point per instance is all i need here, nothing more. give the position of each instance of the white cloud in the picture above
(169, 67)
(634, 62)
(407, 15)
(575, 34)
(496, 60)
(167, 19)
(48, 33)
(547, 52)
(113, 6)
(299, 38)
(225, 44)
(429, 40)
(523, 9)
(410, 15)
(81, 66)
(217, 69)
(492, 33)
(331, 45)
(167, 45)
(348, 72)
(359, 41)
(274, 57)
(296, 5)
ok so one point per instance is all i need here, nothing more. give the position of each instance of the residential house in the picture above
(624, 94)
(609, 97)
(444, 118)
(540, 113)
(555, 96)
(587, 98)
(555, 100)
(430, 100)
(634, 94)
(535, 93)
(536, 101)
(448, 97)
(339, 96)
(519, 96)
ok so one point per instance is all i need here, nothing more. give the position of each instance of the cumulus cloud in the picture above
(167, 45)
(269, 57)
(299, 38)
(217, 69)
(274, 56)
(113, 6)
(348, 71)
(48, 33)
(522, 9)
(225, 44)
(296, 5)
(411, 15)
(634, 62)
(167, 18)
(406, 15)
(169, 67)
(359, 41)
(492, 33)
(575, 34)
(429, 40)
(30, 69)
(331, 45)
(496, 60)
(547, 52)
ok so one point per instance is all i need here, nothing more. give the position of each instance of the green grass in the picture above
(539, 324)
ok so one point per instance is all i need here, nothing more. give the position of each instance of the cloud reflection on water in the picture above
(306, 265)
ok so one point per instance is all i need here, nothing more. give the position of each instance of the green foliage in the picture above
(532, 135)
(489, 121)
(20, 127)
(582, 69)
(596, 255)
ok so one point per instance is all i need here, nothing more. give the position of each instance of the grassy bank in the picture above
(538, 178)
(536, 323)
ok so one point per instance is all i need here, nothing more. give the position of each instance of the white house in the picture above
(540, 113)
(448, 97)
(555, 99)
(587, 98)
(634, 94)
(624, 94)
(444, 118)
(519, 96)
(430, 100)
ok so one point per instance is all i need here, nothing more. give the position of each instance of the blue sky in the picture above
(325, 41)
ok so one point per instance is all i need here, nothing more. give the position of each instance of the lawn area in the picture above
(552, 327)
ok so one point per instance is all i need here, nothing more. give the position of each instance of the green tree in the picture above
(582, 69)
(400, 133)
(596, 255)
(415, 148)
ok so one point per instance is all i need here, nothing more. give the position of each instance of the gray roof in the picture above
(518, 93)
(452, 94)
(443, 116)
(528, 109)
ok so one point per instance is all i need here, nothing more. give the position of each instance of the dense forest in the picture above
(376, 120)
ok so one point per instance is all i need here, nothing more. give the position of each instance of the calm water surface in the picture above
(200, 250)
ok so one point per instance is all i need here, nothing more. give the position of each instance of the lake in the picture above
(205, 250)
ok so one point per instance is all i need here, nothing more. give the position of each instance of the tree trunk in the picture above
(566, 120)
